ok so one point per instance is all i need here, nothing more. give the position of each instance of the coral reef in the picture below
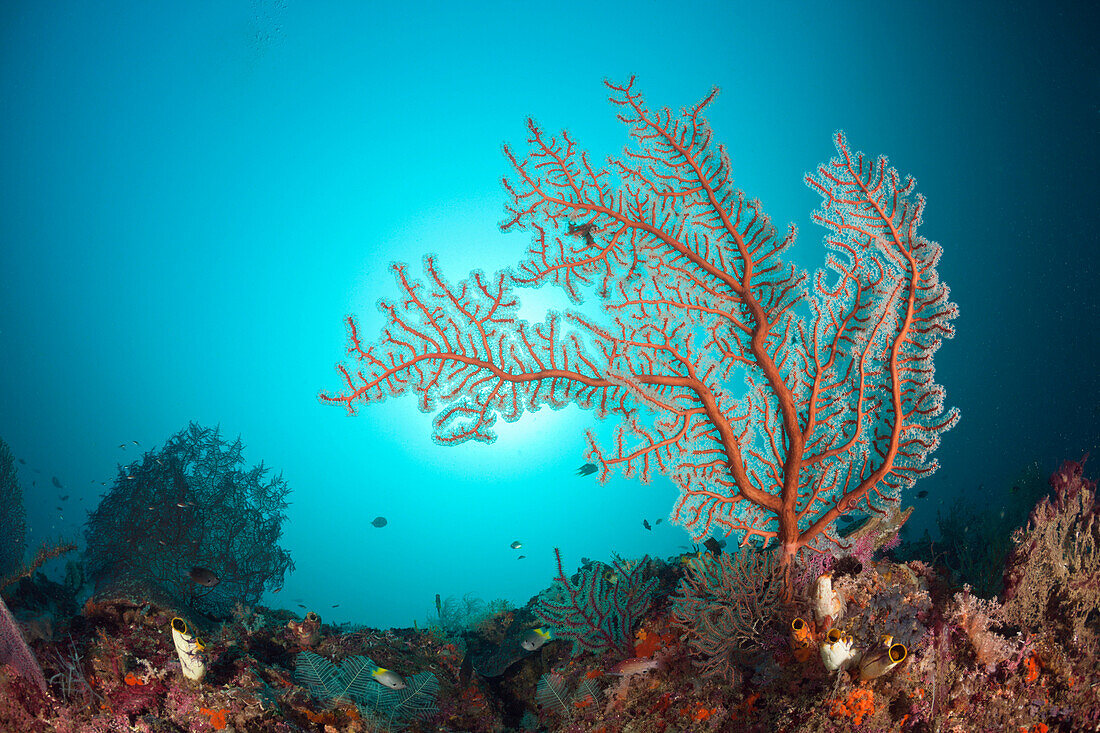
(912, 652)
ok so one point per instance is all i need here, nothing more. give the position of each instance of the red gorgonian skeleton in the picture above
(775, 403)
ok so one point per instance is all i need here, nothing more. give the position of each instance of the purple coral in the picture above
(14, 650)
(725, 607)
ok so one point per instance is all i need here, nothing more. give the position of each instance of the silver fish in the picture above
(389, 678)
(534, 639)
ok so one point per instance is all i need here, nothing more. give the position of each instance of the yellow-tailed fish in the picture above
(389, 678)
(534, 639)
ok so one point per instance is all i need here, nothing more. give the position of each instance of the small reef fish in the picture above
(587, 469)
(57, 482)
(635, 665)
(203, 576)
(389, 678)
(22, 461)
(715, 546)
(521, 557)
(534, 639)
(516, 544)
(645, 523)
(658, 521)
(379, 522)
(922, 494)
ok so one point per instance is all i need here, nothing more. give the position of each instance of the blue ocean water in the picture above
(194, 196)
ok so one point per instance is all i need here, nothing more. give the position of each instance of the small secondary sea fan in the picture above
(352, 681)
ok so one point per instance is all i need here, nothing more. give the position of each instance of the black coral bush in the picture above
(188, 511)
